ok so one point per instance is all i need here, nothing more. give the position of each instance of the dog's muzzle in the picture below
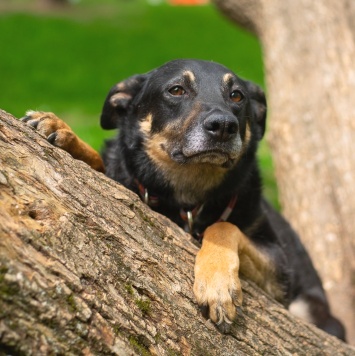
(215, 140)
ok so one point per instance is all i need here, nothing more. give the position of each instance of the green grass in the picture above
(66, 62)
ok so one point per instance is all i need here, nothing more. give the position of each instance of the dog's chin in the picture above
(215, 158)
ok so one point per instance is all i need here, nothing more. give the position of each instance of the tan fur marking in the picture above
(226, 251)
(146, 124)
(120, 86)
(227, 77)
(246, 141)
(190, 75)
(115, 98)
(257, 266)
(247, 136)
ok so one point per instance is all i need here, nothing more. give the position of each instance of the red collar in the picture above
(186, 215)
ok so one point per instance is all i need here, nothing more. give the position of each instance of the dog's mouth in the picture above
(213, 157)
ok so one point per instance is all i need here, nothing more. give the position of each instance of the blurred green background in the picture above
(65, 59)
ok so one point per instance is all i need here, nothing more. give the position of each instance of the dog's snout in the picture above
(221, 127)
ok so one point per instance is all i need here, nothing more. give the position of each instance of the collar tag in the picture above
(146, 196)
(190, 220)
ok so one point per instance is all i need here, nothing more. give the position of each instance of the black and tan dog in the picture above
(188, 134)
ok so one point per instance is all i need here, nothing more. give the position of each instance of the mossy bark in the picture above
(87, 268)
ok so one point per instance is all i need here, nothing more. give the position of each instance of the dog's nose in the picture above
(221, 127)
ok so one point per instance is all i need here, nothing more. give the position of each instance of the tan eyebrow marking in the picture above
(227, 77)
(190, 75)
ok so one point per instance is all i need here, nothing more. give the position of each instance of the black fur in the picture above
(204, 127)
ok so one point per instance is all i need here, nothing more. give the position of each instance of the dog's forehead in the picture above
(193, 70)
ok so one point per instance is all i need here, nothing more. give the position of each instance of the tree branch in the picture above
(246, 13)
(86, 268)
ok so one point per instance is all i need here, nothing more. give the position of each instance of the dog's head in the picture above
(189, 113)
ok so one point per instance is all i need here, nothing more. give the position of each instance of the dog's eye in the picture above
(236, 96)
(177, 90)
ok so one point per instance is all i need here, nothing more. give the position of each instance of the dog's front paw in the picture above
(218, 296)
(57, 132)
(217, 286)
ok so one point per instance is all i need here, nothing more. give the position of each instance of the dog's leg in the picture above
(59, 134)
(225, 252)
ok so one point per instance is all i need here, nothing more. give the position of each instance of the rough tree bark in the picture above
(309, 52)
(86, 268)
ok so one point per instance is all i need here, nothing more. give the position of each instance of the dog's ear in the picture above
(258, 107)
(118, 101)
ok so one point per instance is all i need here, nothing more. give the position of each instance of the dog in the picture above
(187, 141)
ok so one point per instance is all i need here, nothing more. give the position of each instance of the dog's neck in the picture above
(188, 215)
(191, 184)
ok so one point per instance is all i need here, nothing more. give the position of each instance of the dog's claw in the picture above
(34, 123)
(204, 309)
(52, 137)
(223, 324)
(25, 118)
(224, 327)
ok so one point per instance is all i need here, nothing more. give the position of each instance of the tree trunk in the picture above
(309, 56)
(86, 268)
